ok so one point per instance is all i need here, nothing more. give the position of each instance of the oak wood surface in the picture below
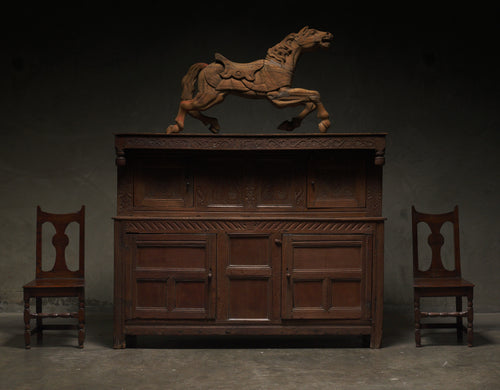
(437, 280)
(59, 281)
(206, 85)
(236, 242)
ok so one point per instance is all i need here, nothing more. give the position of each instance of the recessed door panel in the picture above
(161, 183)
(326, 276)
(248, 277)
(337, 182)
(173, 276)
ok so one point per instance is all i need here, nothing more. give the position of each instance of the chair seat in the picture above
(54, 283)
(441, 283)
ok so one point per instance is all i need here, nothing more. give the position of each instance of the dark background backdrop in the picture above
(72, 76)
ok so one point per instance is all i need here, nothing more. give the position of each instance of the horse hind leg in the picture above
(179, 121)
(201, 102)
(210, 122)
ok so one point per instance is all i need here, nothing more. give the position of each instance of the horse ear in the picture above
(303, 30)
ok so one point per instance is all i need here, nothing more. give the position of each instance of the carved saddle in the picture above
(237, 70)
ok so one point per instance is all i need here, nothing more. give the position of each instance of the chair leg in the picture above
(416, 303)
(27, 318)
(81, 320)
(39, 321)
(470, 319)
(460, 326)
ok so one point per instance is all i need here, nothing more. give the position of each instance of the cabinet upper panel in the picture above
(337, 181)
(250, 181)
(159, 181)
(162, 183)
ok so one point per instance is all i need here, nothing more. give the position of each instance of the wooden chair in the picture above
(437, 281)
(59, 281)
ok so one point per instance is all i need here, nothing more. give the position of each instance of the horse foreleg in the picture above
(289, 97)
(325, 118)
(297, 120)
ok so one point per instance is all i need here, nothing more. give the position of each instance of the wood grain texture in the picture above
(437, 281)
(240, 241)
(206, 85)
(59, 281)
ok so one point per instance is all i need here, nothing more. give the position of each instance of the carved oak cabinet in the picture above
(249, 235)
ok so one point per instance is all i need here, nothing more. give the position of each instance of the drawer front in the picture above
(173, 276)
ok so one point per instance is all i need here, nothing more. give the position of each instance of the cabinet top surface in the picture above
(374, 141)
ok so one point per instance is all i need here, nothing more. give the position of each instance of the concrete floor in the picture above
(333, 363)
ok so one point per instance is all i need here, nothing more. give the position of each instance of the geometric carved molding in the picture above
(169, 226)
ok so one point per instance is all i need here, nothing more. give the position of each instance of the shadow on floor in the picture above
(398, 330)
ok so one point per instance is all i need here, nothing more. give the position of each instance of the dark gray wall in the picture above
(427, 77)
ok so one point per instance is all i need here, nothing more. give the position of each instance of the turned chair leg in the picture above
(416, 303)
(27, 318)
(470, 320)
(39, 321)
(460, 327)
(81, 320)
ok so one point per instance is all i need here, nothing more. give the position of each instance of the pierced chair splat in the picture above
(437, 280)
(59, 281)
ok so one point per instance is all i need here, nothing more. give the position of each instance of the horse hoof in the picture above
(324, 125)
(286, 126)
(214, 128)
(173, 129)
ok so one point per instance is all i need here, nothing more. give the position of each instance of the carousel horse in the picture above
(206, 85)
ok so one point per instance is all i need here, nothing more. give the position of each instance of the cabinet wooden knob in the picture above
(278, 242)
(209, 274)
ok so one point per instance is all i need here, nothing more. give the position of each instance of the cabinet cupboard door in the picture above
(249, 277)
(337, 182)
(162, 184)
(326, 276)
(173, 276)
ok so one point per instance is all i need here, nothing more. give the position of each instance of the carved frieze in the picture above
(303, 226)
(366, 141)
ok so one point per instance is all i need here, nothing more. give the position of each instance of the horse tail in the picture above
(189, 80)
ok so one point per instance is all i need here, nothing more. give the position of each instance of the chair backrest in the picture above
(436, 241)
(60, 241)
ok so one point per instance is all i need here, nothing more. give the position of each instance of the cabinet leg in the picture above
(119, 341)
(376, 338)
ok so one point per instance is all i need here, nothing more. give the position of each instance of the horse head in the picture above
(311, 39)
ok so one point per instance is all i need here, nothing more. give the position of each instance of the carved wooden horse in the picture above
(206, 85)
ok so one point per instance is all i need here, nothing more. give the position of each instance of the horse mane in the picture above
(282, 50)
